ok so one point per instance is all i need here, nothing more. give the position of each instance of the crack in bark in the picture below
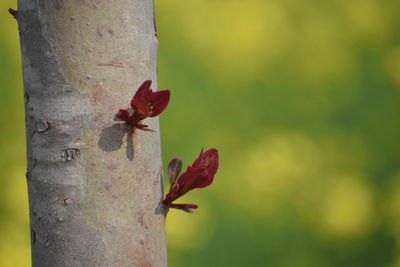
(33, 236)
(112, 64)
(70, 154)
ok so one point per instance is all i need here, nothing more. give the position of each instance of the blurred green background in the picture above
(302, 98)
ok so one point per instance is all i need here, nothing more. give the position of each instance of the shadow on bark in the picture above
(161, 210)
(111, 139)
(129, 145)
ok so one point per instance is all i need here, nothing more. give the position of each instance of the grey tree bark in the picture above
(94, 187)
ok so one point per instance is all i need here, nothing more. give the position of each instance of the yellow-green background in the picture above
(302, 98)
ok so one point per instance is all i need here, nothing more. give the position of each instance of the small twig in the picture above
(13, 12)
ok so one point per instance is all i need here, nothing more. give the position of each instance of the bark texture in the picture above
(94, 187)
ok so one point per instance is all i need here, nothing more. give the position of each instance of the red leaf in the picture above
(123, 115)
(157, 101)
(145, 103)
(140, 107)
(200, 174)
(174, 168)
(145, 86)
(185, 207)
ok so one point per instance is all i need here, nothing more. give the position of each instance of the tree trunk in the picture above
(94, 186)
